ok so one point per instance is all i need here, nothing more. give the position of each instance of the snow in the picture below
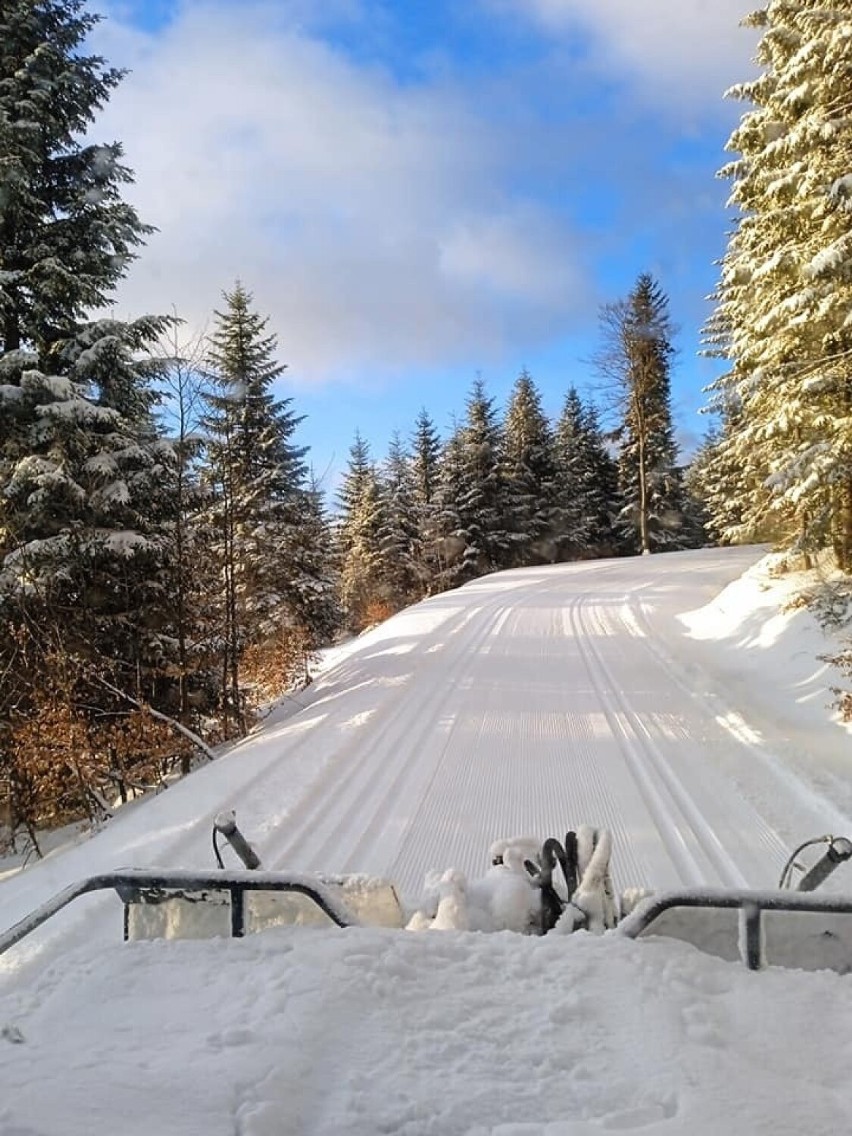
(675, 700)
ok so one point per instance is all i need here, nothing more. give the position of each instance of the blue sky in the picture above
(418, 192)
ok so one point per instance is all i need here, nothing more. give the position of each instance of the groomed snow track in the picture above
(524, 703)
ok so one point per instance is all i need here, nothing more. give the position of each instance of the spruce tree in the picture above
(399, 533)
(588, 500)
(313, 590)
(359, 471)
(783, 301)
(451, 543)
(426, 470)
(257, 475)
(425, 457)
(66, 235)
(473, 495)
(83, 505)
(637, 357)
(362, 520)
(530, 472)
(69, 387)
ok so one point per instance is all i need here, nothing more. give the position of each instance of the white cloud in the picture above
(683, 52)
(365, 216)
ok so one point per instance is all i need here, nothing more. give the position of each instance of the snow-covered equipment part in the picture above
(838, 852)
(523, 891)
(543, 888)
(225, 904)
(225, 825)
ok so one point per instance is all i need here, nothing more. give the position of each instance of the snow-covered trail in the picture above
(524, 703)
(551, 701)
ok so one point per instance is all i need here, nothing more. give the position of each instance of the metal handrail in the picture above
(129, 882)
(751, 905)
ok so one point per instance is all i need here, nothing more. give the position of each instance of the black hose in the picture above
(219, 861)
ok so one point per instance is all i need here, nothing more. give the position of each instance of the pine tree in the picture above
(66, 236)
(588, 500)
(315, 586)
(637, 357)
(68, 388)
(257, 474)
(362, 518)
(399, 533)
(474, 496)
(530, 472)
(426, 471)
(426, 458)
(451, 543)
(701, 487)
(786, 285)
(83, 570)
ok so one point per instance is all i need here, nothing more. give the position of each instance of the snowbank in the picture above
(765, 647)
(363, 1032)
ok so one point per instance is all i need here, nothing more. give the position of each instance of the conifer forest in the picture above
(168, 564)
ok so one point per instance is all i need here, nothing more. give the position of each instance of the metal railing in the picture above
(750, 904)
(143, 886)
(132, 884)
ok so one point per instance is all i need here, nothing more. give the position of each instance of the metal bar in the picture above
(751, 936)
(238, 912)
(126, 883)
(751, 905)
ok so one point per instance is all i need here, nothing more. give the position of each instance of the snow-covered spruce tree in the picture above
(588, 499)
(426, 452)
(530, 472)
(451, 542)
(399, 532)
(785, 293)
(473, 495)
(81, 466)
(257, 477)
(363, 586)
(636, 359)
(314, 594)
(699, 482)
(66, 236)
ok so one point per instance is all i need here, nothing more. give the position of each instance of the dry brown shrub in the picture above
(376, 611)
(277, 665)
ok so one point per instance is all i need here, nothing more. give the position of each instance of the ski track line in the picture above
(435, 816)
(661, 780)
(341, 768)
(508, 792)
(409, 767)
(715, 704)
(667, 828)
(707, 839)
(628, 861)
(377, 768)
(584, 769)
(433, 828)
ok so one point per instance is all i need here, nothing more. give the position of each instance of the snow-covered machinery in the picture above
(548, 887)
